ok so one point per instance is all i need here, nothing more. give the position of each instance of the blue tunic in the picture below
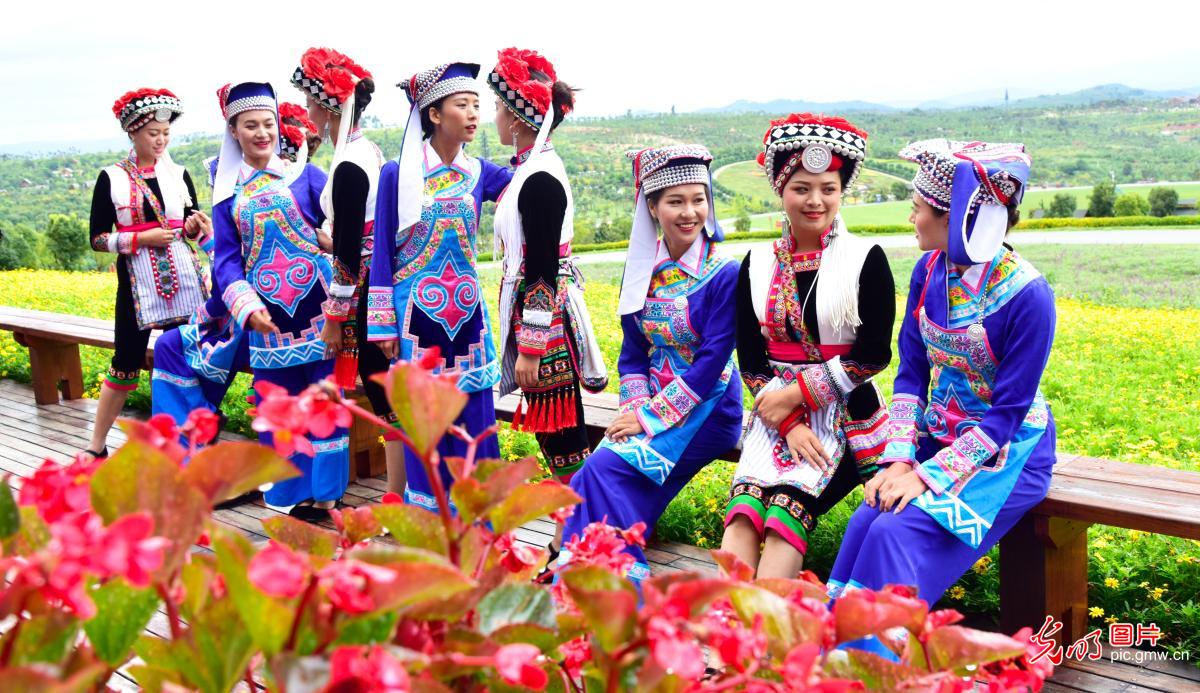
(968, 412)
(424, 292)
(679, 378)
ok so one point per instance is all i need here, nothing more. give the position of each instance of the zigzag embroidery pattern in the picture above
(949, 511)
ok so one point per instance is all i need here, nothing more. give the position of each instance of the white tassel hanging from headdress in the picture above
(841, 265)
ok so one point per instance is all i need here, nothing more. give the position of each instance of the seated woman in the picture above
(970, 444)
(194, 365)
(815, 319)
(273, 276)
(677, 372)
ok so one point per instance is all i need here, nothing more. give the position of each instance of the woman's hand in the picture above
(324, 240)
(871, 488)
(623, 426)
(155, 238)
(804, 444)
(775, 406)
(260, 321)
(527, 371)
(897, 491)
(390, 348)
(198, 225)
(331, 334)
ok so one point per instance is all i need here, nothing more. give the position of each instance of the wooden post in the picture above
(53, 365)
(366, 452)
(1043, 571)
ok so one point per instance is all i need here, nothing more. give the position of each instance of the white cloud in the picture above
(70, 60)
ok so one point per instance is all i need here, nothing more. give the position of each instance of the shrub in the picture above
(1063, 205)
(1100, 204)
(1163, 201)
(1131, 204)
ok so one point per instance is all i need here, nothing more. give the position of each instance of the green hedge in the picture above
(1103, 222)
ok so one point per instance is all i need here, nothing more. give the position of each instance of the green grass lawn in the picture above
(1123, 382)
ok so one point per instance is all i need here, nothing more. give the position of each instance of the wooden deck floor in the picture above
(30, 433)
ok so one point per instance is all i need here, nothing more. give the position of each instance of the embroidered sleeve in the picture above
(823, 384)
(542, 204)
(340, 306)
(900, 435)
(242, 300)
(670, 406)
(751, 345)
(867, 439)
(958, 461)
(533, 331)
(381, 308)
(635, 391)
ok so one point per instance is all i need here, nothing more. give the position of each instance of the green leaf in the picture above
(785, 625)
(545, 639)
(608, 603)
(515, 603)
(955, 647)
(425, 404)
(413, 526)
(367, 630)
(267, 620)
(10, 517)
(529, 502)
(29, 680)
(876, 673)
(122, 612)
(211, 656)
(302, 536)
(32, 535)
(139, 478)
(418, 581)
(229, 469)
(44, 639)
(490, 485)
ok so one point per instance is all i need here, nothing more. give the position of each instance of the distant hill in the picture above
(789, 106)
(1024, 98)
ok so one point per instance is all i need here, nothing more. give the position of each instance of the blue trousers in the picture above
(616, 493)
(175, 387)
(911, 548)
(325, 474)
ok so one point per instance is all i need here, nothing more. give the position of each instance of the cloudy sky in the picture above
(63, 68)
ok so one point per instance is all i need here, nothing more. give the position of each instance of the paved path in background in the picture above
(1139, 236)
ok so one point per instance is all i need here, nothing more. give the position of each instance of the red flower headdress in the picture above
(293, 122)
(328, 76)
(816, 142)
(138, 107)
(527, 95)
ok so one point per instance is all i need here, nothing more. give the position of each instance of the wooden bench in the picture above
(53, 340)
(1044, 563)
(1044, 559)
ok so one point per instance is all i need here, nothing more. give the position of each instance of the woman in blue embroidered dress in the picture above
(424, 290)
(194, 365)
(970, 442)
(676, 365)
(275, 277)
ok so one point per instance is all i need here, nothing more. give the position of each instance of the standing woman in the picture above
(424, 293)
(194, 365)
(549, 349)
(274, 277)
(681, 397)
(970, 444)
(142, 208)
(815, 319)
(338, 91)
